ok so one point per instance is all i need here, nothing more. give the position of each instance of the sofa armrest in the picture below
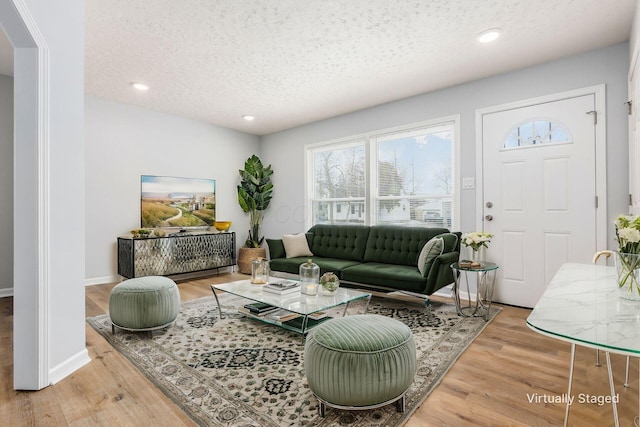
(441, 274)
(276, 248)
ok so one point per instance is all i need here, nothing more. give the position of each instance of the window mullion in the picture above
(372, 180)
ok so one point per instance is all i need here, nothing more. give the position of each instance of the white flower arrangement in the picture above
(628, 234)
(476, 239)
(628, 257)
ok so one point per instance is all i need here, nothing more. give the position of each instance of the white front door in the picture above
(538, 192)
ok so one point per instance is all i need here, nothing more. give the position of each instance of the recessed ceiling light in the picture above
(139, 86)
(488, 36)
(248, 117)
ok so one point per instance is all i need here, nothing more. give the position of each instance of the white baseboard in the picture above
(184, 276)
(102, 280)
(69, 366)
(445, 292)
(6, 292)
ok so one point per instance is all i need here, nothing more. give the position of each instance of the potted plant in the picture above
(254, 196)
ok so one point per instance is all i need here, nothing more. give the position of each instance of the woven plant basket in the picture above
(246, 255)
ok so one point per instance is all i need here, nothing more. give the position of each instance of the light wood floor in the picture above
(490, 385)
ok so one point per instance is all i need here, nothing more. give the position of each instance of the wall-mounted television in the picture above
(168, 201)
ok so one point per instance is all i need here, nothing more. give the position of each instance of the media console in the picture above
(175, 254)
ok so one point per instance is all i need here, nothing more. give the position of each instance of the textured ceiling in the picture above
(290, 62)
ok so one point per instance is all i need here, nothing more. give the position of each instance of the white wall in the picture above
(123, 142)
(285, 149)
(6, 185)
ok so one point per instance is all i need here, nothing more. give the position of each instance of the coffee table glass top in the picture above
(295, 302)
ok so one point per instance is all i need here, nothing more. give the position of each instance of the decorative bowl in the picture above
(222, 225)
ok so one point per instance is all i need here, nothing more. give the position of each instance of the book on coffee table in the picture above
(282, 287)
(318, 315)
(282, 315)
(259, 308)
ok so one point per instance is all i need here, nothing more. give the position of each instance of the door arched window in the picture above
(537, 132)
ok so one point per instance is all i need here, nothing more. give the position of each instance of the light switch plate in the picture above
(468, 183)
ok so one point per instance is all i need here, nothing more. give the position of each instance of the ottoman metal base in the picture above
(150, 330)
(399, 403)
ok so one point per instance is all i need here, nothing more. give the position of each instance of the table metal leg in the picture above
(614, 405)
(626, 374)
(366, 307)
(573, 358)
(217, 301)
(489, 294)
(456, 290)
(456, 296)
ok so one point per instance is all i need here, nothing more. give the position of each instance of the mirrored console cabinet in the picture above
(175, 254)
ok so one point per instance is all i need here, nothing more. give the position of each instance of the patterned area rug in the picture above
(237, 371)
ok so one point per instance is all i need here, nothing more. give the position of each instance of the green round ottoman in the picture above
(360, 362)
(144, 304)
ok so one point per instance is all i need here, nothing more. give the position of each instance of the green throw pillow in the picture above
(429, 252)
(450, 241)
(276, 248)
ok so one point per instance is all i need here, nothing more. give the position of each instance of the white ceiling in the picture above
(291, 62)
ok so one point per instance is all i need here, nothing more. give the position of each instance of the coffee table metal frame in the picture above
(298, 303)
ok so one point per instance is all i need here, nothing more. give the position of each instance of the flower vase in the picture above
(628, 271)
(478, 255)
(329, 283)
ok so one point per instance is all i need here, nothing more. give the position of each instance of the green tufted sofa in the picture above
(383, 257)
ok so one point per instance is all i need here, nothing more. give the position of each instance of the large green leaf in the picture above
(254, 195)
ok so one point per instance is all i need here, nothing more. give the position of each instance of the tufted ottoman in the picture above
(144, 304)
(360, 362)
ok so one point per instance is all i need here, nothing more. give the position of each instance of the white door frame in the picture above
(599, 92)
(31, 174)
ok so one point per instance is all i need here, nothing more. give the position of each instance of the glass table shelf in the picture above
(296, 302)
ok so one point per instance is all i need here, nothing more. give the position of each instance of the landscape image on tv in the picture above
(177, 202)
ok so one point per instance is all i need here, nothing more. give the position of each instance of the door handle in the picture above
(489, 217)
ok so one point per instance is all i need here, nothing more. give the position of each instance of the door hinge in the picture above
(596, 202)
(630, 200)
(595, 116)
(629, 107)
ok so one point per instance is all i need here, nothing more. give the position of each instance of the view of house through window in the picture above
(402, 177)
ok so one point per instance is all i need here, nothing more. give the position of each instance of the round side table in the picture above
(484, 285)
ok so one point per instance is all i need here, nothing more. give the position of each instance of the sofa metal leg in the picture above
(400, 404)
(427, 306)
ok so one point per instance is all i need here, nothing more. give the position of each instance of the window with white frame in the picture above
(398, 176)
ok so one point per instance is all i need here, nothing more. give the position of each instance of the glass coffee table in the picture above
(300, 310)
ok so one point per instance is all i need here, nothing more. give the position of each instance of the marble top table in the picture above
(581, 305)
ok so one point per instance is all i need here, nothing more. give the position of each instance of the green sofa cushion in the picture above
(292, 265)
(401, 277)
(346, 242)
(398, 245)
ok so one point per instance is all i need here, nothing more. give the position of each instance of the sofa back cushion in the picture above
(346, 242)
(397, 244)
